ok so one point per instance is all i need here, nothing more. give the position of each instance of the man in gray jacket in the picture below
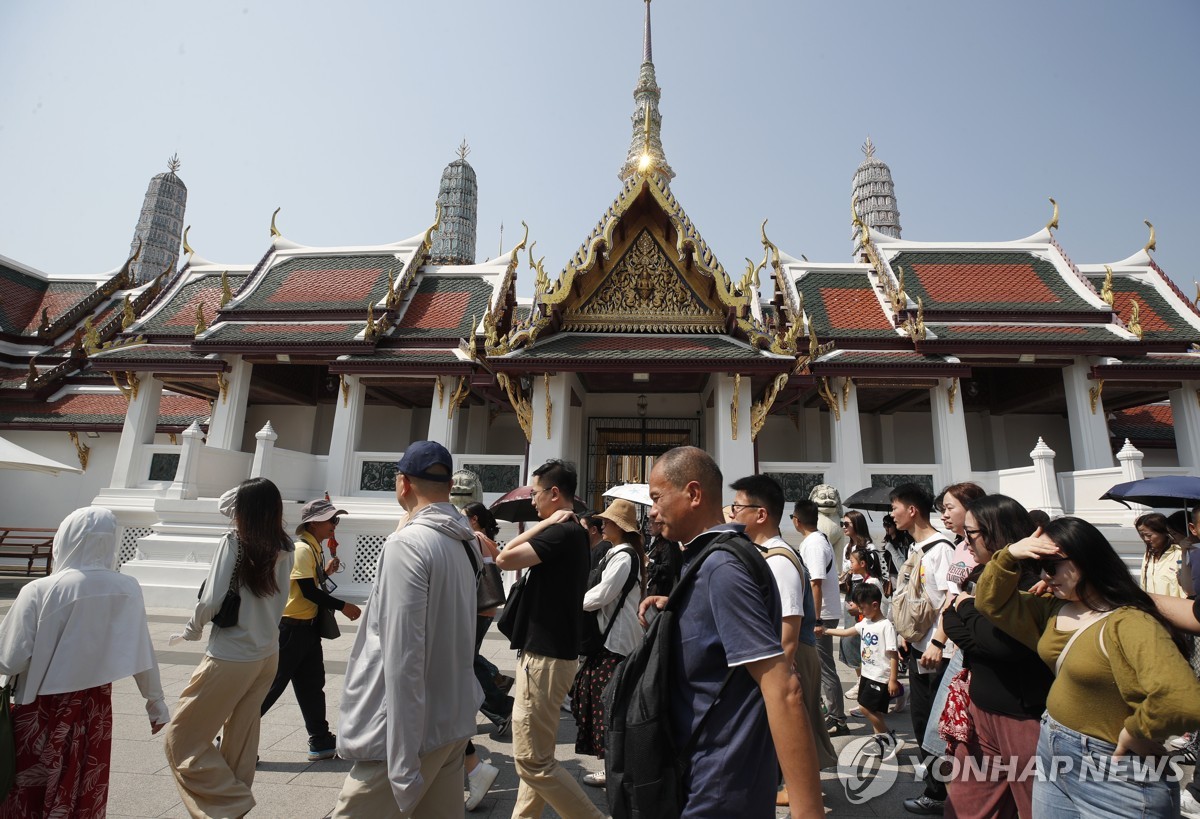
(410, 698)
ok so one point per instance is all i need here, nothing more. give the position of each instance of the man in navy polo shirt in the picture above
(724, 623)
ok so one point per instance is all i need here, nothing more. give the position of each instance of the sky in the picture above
(344, 115)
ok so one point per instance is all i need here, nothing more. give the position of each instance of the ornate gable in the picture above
(645, 291)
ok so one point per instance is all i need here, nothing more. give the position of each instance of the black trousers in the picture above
(302, 663)
(921, 690)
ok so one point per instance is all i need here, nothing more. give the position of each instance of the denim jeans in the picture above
(1080, 778)
(932, 741)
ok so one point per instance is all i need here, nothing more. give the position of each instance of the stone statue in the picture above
(829, 504)
(465, 488)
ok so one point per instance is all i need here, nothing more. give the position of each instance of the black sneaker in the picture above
(925, 806)
(323, 748)
(836, 728)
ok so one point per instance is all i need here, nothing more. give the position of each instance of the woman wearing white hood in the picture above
(67, 638)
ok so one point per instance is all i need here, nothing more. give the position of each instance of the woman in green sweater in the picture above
(1123, 684)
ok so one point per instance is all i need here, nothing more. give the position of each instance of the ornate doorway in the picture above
(623, 450)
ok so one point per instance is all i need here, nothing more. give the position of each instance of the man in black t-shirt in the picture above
(547, 631)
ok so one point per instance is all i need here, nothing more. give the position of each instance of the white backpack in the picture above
(912, 610)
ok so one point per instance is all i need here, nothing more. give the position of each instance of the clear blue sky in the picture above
(345, 113)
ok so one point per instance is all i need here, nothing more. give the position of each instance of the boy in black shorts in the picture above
(880, 664)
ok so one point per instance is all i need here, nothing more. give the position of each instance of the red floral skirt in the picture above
(586, 704)
(64, 742)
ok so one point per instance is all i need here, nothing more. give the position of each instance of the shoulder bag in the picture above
(327, 627)
(593, 637)
(227, 615)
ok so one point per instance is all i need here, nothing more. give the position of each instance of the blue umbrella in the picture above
(1165, 492)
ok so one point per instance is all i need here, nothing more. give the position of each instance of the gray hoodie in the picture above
(410, 687)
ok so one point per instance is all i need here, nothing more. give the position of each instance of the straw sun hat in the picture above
(623, 513)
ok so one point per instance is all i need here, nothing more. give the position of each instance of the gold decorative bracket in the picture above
(226, 290)
(222, 385)
(1106, 291)
(201, 325)
(459, 395)
(345, 387)
(519, 403)
(915, 326)
(82, 450)
(371, 332)
(127, 317)
(952, 391)
(549, 404)
(733, 405)
(91, 337)
(1135, 320)
(760, 409)
(130, 388)
(1094, 394)
(846, 385)
(830, 399)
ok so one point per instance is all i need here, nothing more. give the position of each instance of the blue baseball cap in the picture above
(420, 456)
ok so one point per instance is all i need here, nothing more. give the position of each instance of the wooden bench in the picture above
(25, 544)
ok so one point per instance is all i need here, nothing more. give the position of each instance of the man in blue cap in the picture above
(409, 703)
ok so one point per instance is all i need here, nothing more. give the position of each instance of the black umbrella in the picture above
(516, 506)
(873, 498)
(1163, 492)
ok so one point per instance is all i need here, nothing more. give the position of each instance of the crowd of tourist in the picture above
(1042, 677)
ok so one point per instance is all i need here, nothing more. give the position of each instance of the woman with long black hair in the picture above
(227, 689)
(1123, 682)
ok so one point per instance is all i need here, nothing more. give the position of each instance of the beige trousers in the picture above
(367, 791)
(542, 685)
(222, 697)
(808, 669)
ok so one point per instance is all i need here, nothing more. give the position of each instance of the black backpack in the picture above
(593, 636)
(645, 770)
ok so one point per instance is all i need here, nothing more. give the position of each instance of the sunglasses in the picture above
(845, 524)
(335, 520)
(735, 508)
(1050, 565)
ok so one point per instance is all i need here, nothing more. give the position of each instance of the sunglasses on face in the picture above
(845, 524)
(1050, 565)
(335, 520)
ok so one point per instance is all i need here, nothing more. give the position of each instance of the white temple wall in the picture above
(779, 440)
(323, 428)
(505, 436)
(387, 428)
(294, 425)
(979, 440)
(1021, 432)
(912, 436)
(31, 499)
(1167, 456)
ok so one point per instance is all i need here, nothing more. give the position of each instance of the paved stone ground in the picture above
(288, 786)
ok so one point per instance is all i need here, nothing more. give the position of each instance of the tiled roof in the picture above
(254, 334)
(1159, 320)
(445, 307)
(146, 352)
(1052, 333)
(320, 283)
(842, 305)
(898, 358)
(1162, 362)
(416, 355)
(178, 316)
(964, 282)
(22, 298)
(591, 347)
(101, 409)
(1148, 423)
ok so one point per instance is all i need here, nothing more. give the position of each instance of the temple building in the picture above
(173, 378)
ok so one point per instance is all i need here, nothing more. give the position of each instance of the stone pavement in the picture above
(288, 786)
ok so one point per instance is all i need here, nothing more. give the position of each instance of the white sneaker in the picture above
(597, 780)
(479, 782)
(1188, 806)
(852, 694)
(893, 747)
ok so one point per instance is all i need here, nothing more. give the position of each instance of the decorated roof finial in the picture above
(1053, 223)
(647, 47)
(274, 230)
(1135, 319)
(1152, 244)
(464, 149)
(645, 150)
(186, 247)
(868, 147)
(1106, 291)
(173, 164)
(226, 290)
(201, 324)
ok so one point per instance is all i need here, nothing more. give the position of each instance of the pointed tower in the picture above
(647, 122)
(875, 196)
(160, 226)
(458, 194)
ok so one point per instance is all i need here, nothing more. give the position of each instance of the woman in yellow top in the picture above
(1123, 684)
(1163, 558)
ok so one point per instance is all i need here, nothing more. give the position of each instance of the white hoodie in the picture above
(410, 687)
(85, 624)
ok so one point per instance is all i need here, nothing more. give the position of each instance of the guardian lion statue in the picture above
(465, 488)
(829, 504)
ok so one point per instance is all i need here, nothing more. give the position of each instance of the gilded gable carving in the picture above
(644, 292)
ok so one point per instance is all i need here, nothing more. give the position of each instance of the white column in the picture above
(848, 472)
(814, 449)
(229, 410)
(186, 483)
(477, 428)
(951, 450)
(1185, 408)
(551, 436)
(1089, 429)
(141, 419)
(443, 425)
(264, 452)
(734, 453)
(345, 436)
(1130, 458)
(1047, 479)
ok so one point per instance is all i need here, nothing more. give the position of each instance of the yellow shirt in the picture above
(1161, 575)
(308, 552)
